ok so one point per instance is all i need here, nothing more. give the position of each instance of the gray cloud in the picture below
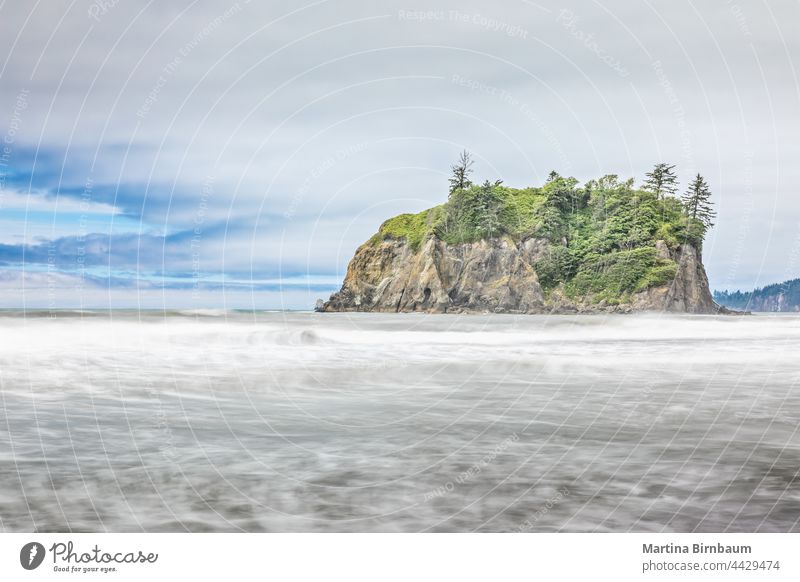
(315, 122)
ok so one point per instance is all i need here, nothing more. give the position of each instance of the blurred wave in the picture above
(274, 421)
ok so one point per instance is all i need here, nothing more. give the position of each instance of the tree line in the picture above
(661, 181)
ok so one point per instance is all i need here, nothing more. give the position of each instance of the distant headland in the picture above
(777, 298)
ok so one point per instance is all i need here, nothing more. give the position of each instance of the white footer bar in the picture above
(416, 557)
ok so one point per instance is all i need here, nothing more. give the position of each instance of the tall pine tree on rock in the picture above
(661, 181)
(459, 180)
(697, 203)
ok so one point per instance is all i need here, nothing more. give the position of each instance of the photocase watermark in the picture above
(529, 523)
(171, 67)
(66, 558)
(476, 18)
(66, 554)
(422, 15)
(791, 265)
(741, 19)
(52, 269)
(473, 471)
(509, 99)
(20, 105)
(677, 109)
(320, 170)
(7, 147)
(31, 555)
(83, 230)
(489, 23)
(379, 364)
(569, 21)
(206, 192)
(167, 442)
(100, 8)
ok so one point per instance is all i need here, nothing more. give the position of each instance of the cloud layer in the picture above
(236, 143)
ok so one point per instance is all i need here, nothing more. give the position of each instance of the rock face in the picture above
(497, 276)
(687, 293)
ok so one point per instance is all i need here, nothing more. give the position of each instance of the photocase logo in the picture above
(31, 555)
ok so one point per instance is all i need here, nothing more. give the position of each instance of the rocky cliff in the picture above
(497, 276)
(557, 249)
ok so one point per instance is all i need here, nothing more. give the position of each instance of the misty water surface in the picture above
(224, 421)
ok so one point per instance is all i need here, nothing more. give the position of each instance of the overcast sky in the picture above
(214, 154)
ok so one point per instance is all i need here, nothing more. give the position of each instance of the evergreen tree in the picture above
(459, 180)
(488, 210)
(661, 181)
(697, 202)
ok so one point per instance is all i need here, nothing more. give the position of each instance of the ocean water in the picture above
(223, 421)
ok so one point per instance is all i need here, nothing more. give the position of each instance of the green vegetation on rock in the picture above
(414, 228)
(602, 236)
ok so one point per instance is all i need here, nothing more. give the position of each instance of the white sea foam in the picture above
(350, 422)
